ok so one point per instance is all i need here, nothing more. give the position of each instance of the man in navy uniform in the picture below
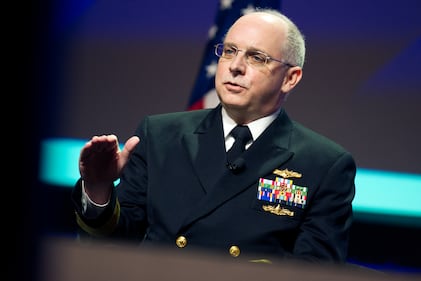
(286, 193)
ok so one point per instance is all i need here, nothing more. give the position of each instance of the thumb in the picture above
(129, 146)
(127, 149)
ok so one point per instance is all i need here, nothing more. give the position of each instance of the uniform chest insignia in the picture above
(278, 210)
(282, 191)
(287, 173)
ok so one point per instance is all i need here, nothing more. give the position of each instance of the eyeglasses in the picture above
(255, 58)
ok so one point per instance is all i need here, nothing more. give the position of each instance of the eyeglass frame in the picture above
(248, 53)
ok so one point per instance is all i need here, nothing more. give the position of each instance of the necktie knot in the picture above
(241, 135)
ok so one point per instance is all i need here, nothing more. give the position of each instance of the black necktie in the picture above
(241, 135)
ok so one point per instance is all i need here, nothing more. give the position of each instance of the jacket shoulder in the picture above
(318, 141)
(176, 122)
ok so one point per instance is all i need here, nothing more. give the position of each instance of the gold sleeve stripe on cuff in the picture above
(106, 228)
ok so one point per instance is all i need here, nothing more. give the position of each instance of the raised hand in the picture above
(101, 162)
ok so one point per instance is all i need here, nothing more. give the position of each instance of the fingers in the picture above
(99, 144)
(104, 143)
(102, 153)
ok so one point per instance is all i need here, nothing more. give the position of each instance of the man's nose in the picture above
(238, 63)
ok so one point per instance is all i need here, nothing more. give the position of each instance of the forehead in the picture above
(258, 30)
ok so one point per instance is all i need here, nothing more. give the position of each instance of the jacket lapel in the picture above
(206, 149)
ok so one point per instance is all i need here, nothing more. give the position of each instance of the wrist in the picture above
(98, 194)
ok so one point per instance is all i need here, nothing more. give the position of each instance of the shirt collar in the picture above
(256, 127)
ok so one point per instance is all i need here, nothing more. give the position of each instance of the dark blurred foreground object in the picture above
(65, 259)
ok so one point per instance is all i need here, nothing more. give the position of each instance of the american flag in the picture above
(203, 94)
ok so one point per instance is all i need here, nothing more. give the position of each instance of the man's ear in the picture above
(292, 76)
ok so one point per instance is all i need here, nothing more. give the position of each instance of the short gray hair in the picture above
(294, 49)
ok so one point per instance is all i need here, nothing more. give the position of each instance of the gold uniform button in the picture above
(234, 251)
(181, 241)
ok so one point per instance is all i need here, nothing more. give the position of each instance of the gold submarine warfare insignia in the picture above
(287, 173)
(278, 210)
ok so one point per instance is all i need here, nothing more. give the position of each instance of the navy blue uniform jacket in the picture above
(177, 184)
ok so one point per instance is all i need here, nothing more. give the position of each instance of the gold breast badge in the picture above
(287, 173)
(278, 210)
